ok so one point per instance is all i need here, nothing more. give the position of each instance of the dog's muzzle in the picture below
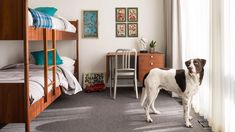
(190, 70)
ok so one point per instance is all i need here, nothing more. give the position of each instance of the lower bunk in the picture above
(13, 108)
(12, 100)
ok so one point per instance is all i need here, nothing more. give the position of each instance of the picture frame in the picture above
(132, 29)
(120, 29)
(132, 14)
(120, 14)
(90, 24)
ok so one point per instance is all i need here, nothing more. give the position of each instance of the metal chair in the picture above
(125, 66)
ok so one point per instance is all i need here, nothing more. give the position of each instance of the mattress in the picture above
(58, 23)
(64, 79)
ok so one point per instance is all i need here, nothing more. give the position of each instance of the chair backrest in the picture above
(123, 58)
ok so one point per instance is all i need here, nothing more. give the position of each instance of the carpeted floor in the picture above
(97, 112)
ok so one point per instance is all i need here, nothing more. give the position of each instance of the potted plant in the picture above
(152, 46)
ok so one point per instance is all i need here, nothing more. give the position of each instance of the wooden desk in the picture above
(145, 62)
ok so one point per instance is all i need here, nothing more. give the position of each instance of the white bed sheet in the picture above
(58, 23)
(15, 74)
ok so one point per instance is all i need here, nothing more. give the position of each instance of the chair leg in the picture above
(115, 87)
(136, 88)
(110, 87)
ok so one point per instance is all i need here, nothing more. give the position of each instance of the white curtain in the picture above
(208, 31)
(195, 44)
(228, 65)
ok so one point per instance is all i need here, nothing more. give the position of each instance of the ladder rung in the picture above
(48, 50)
(51, 67)
(51, 83)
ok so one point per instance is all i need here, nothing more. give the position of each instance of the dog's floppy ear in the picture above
(187, 63)
(203, 61)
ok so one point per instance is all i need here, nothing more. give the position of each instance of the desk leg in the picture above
(110, 75)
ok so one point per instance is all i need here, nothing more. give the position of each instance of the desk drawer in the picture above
(147, 62)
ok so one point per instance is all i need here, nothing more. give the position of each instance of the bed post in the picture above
(45, 47)
(26, 64)
(54, 59)
(77, 51)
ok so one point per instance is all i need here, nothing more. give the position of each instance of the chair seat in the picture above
(125, 72)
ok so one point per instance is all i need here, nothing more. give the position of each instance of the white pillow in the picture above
(67, 61)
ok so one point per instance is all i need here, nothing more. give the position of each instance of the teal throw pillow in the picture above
(39, 58)
(47, 10)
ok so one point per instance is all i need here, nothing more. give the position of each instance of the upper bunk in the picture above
(16, 24)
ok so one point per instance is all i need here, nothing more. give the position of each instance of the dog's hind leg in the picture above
(151, 97)
(143, 97)
(155, 111)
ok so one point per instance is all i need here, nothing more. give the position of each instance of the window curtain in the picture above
(207, 31)
(173, 33)
(228, 65)
(195, 44)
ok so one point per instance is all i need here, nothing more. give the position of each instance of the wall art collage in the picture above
(126, 22)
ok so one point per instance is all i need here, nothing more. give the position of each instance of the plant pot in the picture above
(151, 50)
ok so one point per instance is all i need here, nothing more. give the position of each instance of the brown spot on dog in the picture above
(181, 79)
(203, 62)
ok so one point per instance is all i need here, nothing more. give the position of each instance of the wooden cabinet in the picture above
(148, 61)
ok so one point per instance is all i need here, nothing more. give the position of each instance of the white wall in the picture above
(93, 51)
(10, 52)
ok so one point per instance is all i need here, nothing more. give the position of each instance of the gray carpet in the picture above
(97, 112)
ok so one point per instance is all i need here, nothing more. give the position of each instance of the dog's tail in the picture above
(143, 96)
(144, 93)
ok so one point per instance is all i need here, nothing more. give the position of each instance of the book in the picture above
(93, 82)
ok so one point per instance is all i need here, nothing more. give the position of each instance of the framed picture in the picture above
(120, 29)
(132, 14)
(90, 24)
(132, 29)
(120, 14)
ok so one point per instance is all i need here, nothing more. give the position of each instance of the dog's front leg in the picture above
(186, 112)
(190, 106)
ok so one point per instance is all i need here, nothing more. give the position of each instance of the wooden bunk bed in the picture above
(14, 97)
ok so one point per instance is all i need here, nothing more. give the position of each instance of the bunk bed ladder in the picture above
(51, 67)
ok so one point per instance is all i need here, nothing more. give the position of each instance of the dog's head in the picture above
(196, 66)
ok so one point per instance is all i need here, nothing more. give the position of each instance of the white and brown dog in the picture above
(183, 82)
